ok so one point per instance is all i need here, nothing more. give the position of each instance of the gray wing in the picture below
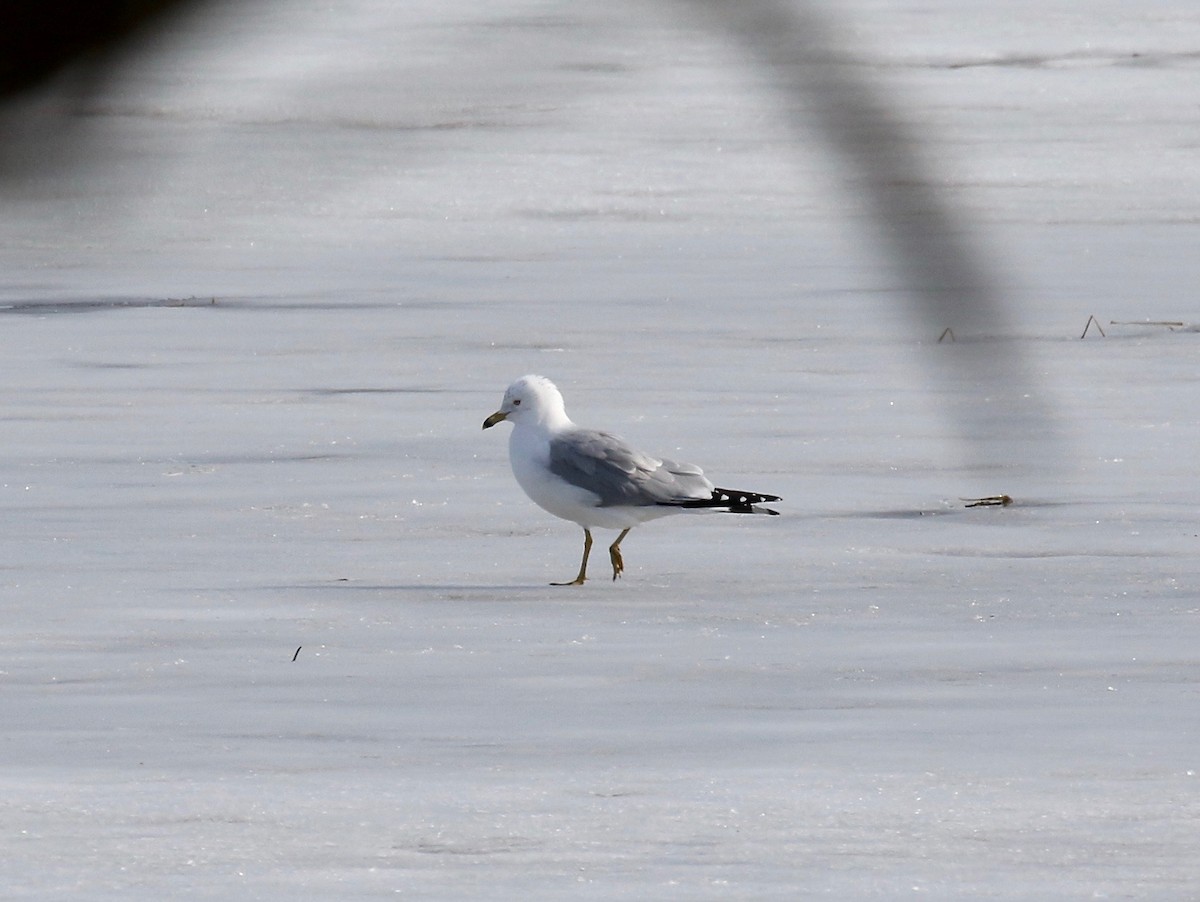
(619, 474)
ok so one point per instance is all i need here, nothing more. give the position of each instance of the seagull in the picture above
(596, 479)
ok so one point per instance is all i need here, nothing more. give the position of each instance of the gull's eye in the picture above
(516, 402)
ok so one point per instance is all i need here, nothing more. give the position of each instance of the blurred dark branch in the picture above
(821, 82)
(40, 39)
(948, 275)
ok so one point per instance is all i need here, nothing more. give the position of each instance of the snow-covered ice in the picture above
(276, 615)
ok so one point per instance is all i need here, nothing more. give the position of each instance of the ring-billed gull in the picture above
(594, 478)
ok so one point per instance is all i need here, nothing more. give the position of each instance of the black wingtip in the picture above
(733, 501)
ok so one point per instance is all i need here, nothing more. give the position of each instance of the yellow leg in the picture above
(614, 554)
(587, 549)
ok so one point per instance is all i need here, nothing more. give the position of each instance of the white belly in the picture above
(529, 453)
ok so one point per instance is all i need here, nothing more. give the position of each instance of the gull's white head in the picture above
(530, 400)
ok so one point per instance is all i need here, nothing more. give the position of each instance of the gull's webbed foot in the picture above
(587, 549)
(614, 554)
(617, 563)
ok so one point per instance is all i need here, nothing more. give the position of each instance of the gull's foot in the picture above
(577, 581)
(617, 563)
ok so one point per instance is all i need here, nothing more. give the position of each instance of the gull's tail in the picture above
(730, 501)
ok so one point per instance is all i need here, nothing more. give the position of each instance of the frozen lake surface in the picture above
(277, 614)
